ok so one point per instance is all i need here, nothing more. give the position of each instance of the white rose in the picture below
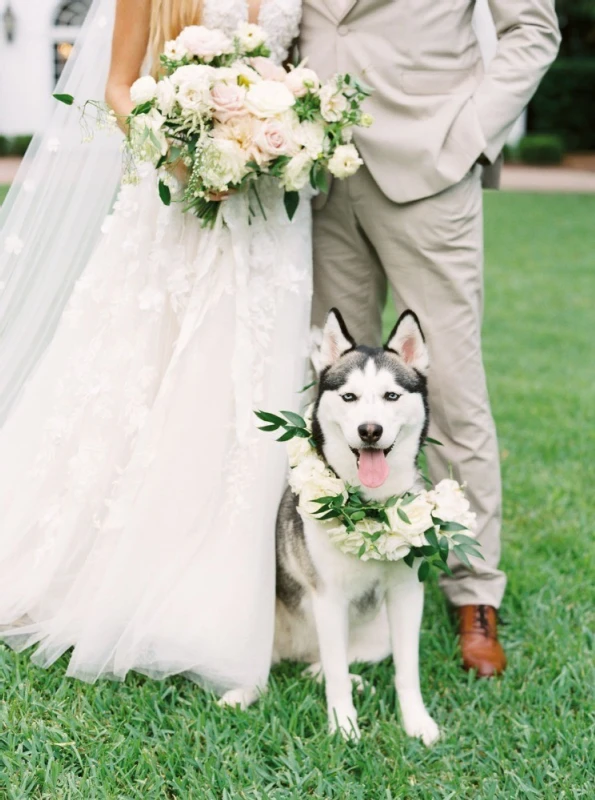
(205, 43)
(194, 88)
(333, 104)
(297, 172)
(451, 505)
(347, 542)
(166, 96)
(297, 450)
(392, 547)
(143, 90)
(251, 36)
(305, 471)
(301, 80)
(311, 136)
(269, 99)
(419, 513)
(175, 50)
(345, 161)
(224, 163)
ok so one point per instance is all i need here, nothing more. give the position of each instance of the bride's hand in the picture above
(216, 197)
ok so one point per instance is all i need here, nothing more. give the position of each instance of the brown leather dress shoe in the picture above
(478, 637)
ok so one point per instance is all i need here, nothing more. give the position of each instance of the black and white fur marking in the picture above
(333, 609)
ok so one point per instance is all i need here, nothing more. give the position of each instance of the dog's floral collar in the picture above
(424, 525)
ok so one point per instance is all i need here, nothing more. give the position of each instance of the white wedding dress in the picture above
(137, 497)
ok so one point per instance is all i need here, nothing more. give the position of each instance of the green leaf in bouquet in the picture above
(409, 558)
(295, 419)
(174, 154)
(67, 99)
(443, 567)
(423, 571)
(291, 201)
(266, 416)
(362, 550)
(431, 537)
(164, 193)
(143, 108)
(289, 434)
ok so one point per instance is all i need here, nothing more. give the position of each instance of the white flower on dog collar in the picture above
(424, 525)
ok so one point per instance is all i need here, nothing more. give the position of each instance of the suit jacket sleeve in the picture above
(528, 42)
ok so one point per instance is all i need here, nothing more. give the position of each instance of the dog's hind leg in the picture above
(243, 697)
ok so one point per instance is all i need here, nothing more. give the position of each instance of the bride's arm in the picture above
(129, 48)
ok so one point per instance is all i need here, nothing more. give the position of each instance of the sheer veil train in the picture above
(52, 216)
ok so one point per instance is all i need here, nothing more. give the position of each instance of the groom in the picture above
(411, 220)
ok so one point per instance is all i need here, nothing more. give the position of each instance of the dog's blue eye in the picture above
(349, 397)
(391, 396)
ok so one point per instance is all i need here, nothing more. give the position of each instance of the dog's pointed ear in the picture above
(335, 341)
(407, 340)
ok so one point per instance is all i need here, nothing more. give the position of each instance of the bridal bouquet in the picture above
(424, 525)
(225, 110)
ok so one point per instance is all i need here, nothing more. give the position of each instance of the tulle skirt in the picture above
(137, 497)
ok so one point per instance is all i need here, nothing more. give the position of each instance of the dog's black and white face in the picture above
(371, 413)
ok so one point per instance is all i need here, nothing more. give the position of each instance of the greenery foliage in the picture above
(14, 145)
(541, 149)
(564, 104)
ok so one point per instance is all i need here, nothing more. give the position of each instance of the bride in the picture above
(137, 498)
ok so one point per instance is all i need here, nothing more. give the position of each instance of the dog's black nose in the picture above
(370, 432)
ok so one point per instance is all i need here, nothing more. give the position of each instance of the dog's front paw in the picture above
(344, 721)
(240, 698)
(420, 725)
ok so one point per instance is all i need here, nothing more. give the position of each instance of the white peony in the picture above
(451, 505)
(246, 75)
(345, 161)
(297, 172)
(251, 36)
(419, 513)
(301, 80)
(269, 99)
(175, 50)
(298, 449)
(223, 164)
(205, 43)
(143, 90)
(166, 96)
(311, 136)
(321, 483)
(333, 104)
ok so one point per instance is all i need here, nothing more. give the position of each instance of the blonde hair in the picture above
(168, 19)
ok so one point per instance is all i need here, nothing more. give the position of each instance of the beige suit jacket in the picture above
(436, 111)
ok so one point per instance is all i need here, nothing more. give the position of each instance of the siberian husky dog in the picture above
(369, 420)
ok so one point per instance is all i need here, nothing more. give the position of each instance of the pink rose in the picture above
(276, 138)
(228, 101)
(204, 42)
(267, 69)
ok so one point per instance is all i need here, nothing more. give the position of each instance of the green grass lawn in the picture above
(3, 192)
(528, 735)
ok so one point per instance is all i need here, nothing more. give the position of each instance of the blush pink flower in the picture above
(276, 137)
(267, 69)
(228, 101)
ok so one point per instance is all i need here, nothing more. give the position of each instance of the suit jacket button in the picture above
(343, 30)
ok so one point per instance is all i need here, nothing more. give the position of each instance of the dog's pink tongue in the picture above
(373, 468)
